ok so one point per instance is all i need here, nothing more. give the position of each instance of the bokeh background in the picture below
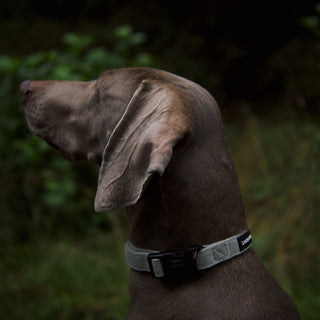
(260, 59)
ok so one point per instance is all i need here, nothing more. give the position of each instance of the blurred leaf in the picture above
(77, 43)
(97, 55)
(144, 59)
(8, 64)
(138, 38)
(62, 72)
(123, 32)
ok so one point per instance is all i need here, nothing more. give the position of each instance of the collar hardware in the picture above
(183, 265)
(177, 265)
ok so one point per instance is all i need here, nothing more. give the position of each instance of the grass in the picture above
(81, 274)
(64, 279)
(278, 167)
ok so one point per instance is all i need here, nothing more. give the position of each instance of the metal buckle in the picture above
(176, 266)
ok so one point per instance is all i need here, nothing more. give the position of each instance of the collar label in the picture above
(244, 240)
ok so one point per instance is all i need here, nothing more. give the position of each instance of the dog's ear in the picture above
(141, 144)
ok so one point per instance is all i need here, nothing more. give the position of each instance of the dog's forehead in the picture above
(126, 76)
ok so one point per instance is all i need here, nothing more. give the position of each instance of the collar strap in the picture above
(186, 264)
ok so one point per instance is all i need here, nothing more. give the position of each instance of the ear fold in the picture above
(141, 144)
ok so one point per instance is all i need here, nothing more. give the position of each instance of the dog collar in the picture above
(181, 265)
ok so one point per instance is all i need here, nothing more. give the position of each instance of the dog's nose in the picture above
(25, 87)
(25, 90)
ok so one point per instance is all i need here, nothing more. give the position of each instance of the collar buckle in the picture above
(174, 266)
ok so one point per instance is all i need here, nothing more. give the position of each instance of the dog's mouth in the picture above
(63, 152)
(39, 127)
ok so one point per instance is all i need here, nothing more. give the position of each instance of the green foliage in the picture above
(65, 280)
(278, 168)
(80, 59)
(313, 22)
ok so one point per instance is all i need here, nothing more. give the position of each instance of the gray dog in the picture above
(163, 155)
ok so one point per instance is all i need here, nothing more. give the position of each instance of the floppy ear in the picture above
(141, 144)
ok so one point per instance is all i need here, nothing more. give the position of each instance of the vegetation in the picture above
(59, 260)
(278, 168)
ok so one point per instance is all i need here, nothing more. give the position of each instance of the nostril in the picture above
(26, 87)
(25, 90)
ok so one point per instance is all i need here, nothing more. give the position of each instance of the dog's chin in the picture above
(39, 133)
(63, 152)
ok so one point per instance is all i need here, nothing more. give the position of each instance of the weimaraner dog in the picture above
(163, 155)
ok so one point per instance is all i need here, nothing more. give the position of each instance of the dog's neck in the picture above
(191, 204)
(196, 201)
(179, 210)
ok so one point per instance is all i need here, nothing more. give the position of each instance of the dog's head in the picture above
(125, 120)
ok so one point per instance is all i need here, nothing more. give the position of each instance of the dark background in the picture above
(260, 59)
(238, 49)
